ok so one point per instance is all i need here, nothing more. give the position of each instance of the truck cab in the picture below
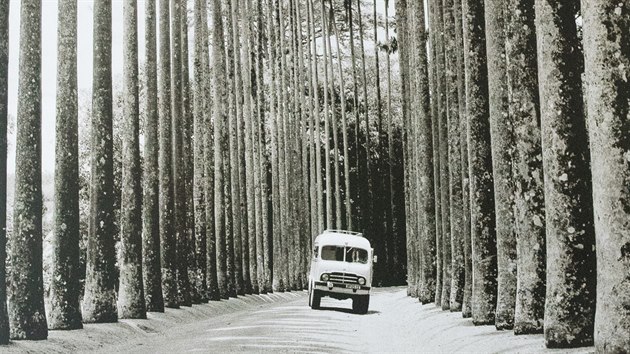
(341, 268)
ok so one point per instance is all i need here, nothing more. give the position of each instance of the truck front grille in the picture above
(344, 278)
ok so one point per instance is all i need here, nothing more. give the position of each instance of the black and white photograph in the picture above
(315, 176)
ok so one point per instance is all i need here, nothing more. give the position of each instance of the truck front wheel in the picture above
(360, 304)
(314, 299)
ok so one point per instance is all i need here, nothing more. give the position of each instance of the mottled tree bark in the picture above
(4, 74)
(210, 108)
(520, 50)
(26, 289)
(424, 180)
(179, 170)
(435, 107)
(131, 290)
(168, 250)
(151, 268)
(607, 61)
(571, 278)
(251, 182)
(220, 144)
(200, 113)
(367, 220)
(99, 301)
(237, 167)
(263, 239)
(188, 123)
(442, 121)
(454, 161)
(344, 133)
(482, 207)
(463, 139)
(502, 136)
(65, 311)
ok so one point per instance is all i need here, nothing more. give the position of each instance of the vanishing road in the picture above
(284, 323)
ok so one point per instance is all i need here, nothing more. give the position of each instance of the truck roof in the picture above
(342, 238)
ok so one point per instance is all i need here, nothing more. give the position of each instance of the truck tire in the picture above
(360, 304)
(314, 299)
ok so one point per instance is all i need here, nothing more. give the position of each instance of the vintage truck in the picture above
(341, 268)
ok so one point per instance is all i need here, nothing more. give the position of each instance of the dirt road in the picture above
(284, 323)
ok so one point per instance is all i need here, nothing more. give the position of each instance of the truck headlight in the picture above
(361, 281)
(324, 277)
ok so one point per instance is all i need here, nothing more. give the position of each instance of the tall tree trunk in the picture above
(333, 115)
(344, 131)
(355, 107)
(329, 200)
(220, 145)
(199, 147)
(263, 239)
(167, 229)
(479, 122)
(99, 301)
(389, 180)
(454, 161)
(442, 122)
(210, 110)
(283, 156)
(426, 193)
(606, 28)
(26, 289)
(187, 148)
(463, 139)
(238, 163)
(311, 128)
(520, 48)
(571, 277)
(131, 291)
(318, 148)
(4, 74)
(368, 209)
(249, 238)
(151, 271)
(274, 111)
(435, 112)
(179, 170)
(65, 312)
(502, 135)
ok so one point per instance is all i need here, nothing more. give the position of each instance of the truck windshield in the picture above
(344, 254)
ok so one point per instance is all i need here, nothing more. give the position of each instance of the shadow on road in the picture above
(347, 310)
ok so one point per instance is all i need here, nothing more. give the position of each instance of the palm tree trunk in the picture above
(502, 133)
(131, 291)
(4, 74)
(99, 301)
(26, 289)
(65, 312)
(168, 251)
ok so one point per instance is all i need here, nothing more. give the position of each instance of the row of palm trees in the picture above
(517, 168)
(225, 177)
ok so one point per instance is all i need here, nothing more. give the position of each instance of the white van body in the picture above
(341, 267)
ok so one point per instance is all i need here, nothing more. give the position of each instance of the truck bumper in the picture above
(328, 287)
